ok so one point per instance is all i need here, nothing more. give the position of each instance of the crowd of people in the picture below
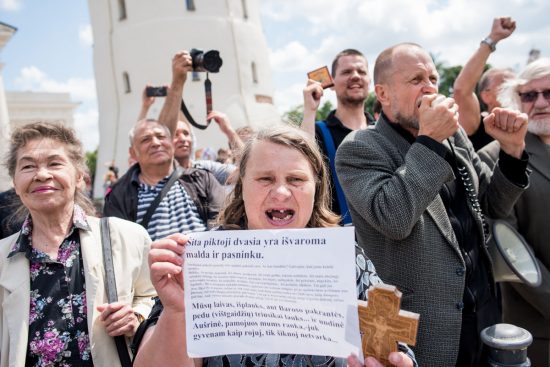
(419, 182)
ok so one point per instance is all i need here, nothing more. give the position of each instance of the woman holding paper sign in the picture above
(282, 183)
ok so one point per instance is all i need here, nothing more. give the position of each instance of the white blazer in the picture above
(130, 246)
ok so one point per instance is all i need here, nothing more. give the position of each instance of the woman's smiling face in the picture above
(45, 178)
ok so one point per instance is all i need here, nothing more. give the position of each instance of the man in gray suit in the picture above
(522, 305)
(416, 190)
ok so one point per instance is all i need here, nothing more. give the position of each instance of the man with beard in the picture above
(351, 84)
(522, 305)
(417, 190)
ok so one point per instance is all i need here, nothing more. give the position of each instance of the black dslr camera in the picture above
(206, 61)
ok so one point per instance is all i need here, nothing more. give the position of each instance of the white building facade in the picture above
(6, 32)
(25, 107)
(134, 42)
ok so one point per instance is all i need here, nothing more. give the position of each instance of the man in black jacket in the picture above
(9, 203)
(351, 84)
(187, 204)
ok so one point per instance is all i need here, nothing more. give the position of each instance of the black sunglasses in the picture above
(531, 96)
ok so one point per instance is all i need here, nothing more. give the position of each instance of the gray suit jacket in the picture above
(524, 306)
(392, 188)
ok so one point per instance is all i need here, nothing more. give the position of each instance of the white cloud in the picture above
(33, 79)
(289, 58)
(10, 5)
(85, 35)
(87, 128)
(304, 34)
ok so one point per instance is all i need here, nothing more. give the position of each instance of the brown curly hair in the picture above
(233, 214)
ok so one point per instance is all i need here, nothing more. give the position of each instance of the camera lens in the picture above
(209, 61)
(212, 61)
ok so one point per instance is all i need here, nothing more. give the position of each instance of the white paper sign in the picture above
(272, 291)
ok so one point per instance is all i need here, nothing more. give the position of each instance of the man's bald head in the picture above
(384, 62)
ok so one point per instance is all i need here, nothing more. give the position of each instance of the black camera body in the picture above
(206, 61)
(156, 91)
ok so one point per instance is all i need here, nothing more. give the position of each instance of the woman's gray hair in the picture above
(21, 136)
(508, 96)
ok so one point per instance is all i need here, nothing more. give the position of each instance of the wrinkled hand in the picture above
(437, 119)
(312, 95)
(166, 269)
(118, 319)
(222, 120)
(398, 359)
(181, 65)
(145, 100)
(509, 128)
(502, 28)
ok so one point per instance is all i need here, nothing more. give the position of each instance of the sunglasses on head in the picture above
(531, 96)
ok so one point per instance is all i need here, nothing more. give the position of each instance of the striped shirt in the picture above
(176, 213)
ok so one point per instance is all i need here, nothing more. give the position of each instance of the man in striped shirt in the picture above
(190, 203)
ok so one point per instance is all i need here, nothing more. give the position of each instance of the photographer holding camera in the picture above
(182, 63)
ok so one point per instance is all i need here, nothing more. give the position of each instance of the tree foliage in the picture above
(447, 75)
(296, 115)
(369, 103)
(91, 161)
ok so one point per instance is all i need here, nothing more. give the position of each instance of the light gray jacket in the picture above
(130, 245)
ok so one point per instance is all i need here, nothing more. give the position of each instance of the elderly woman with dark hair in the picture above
(282, 183)
(53, 303)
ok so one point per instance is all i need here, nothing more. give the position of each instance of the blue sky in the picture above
(52, 49)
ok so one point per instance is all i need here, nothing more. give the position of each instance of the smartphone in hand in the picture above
(156, 91)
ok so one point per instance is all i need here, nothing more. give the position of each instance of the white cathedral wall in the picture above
(143, 45)
(5, 181)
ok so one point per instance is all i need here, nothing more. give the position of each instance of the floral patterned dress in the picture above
(58, 329)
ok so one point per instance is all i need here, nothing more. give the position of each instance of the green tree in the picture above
(447, 79)
(447, 75)
(323, 112)
(296, 115)
(91, 162)
(369, 103)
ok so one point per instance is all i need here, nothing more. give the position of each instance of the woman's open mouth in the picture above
(280, 216)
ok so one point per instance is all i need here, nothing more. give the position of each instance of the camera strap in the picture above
(208, 97)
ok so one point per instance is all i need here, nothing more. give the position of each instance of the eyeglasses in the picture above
(531, 96)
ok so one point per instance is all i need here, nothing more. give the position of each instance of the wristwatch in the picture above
(489, 42)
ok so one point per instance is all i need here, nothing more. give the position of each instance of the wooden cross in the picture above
(382, 324)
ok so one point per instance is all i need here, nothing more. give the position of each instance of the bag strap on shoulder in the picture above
(155, 203)
(110, 287)
(331, 152)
